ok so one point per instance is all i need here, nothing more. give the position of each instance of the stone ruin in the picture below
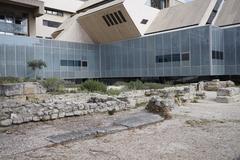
(164, 100)
(216, 84)
(21, 89)
(228, 95)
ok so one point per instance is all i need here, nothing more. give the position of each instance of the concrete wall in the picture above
(72, 31)
(45, 31)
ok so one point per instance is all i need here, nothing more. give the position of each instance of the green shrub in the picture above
(93, 86)
(5, 80)
(135, 85)
(113, 92)
(53, 85)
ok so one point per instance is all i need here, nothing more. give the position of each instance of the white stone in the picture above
(36, 118)
(6, 122)
(61, 114)
(77, 113)
(54, 116)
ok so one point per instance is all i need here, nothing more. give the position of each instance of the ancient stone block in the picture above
(228, 99)
(26, 88)
(231, 91)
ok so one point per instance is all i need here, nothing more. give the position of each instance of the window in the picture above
(159, 59)
(72, 63)
(51, 23)
(217, 55)
(53, 12)
(185, 57)
(159, 4)
(109, 19)
(18, 21)
(84, 63)
(2, 18)
(144, 21)
(114, 18)
(106, 21)
(167, 58)
(9, 19)
(176, 57)
(117, 16)
(121, 15)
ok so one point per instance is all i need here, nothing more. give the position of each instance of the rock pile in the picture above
(161, 106)
(228, 95)
(26, 88)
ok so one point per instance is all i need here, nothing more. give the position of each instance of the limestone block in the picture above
(61, 114)
(231, 91)
(26, 88)
(6, 122)
(77, 113)
(228, 99)
(36, 118)
(54, 116)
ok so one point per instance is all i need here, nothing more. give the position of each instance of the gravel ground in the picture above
(204, 130)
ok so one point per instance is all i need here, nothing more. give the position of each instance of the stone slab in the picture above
(85, 134)
(139, 119)
(132, 121)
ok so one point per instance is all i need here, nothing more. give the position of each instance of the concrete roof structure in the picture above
(229, 14)
(90, 3)
(63, 5)
(37, 5)
(179, 16)
(110, 4)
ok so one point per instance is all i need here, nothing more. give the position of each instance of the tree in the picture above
(36, 64)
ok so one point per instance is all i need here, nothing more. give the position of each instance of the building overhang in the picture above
(108, 23)
(36, 5)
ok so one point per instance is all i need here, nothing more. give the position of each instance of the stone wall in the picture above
(26, 88)
(22, 109)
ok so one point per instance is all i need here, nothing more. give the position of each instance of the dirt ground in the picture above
(201, 131)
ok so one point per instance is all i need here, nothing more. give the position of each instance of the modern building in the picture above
(55, 13)
(35, 18)
(134, 38)
(18, 17)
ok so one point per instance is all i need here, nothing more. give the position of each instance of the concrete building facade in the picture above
(87, 45)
